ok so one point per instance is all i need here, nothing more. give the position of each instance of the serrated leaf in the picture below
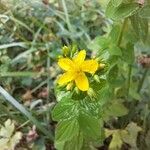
(66, 130)
(116, 141)
(65, 109)
(131, 137)
(145, 12)
(119, 136)
(125, 10)
(90, 126)
(60, 94)
(75, 143)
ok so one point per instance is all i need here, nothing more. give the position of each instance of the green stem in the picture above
(142, 80)
(48, 87)
(122, 31)
(129, 79)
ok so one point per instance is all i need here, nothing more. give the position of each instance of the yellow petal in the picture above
(82, 82)
(65, 63)
(79, 59)
(89, 66)
(66, 77)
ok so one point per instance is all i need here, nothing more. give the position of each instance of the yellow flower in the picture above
(75, 70)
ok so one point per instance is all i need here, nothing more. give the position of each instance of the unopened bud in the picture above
(69, 86)
(101, 66)
(91, 92)
(73, 50)
(60, 56)
(96, 78)
(65, 50)
(76, 90)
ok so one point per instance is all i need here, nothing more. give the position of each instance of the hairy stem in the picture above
(142, 80)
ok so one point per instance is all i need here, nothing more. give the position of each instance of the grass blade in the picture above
(24, 111)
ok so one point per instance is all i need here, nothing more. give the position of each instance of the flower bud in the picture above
(76, 90)
(69, 86)
(65, 50)
(101, 66)
(73, 50)
(91, 92)
(96, 78)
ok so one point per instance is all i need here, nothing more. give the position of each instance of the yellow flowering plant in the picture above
(83, 93)
(75, 70)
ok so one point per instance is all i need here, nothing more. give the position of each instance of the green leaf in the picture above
(128, 54)
(60, 94)
(104, 95)
(143, 23)
(140, 27)
(99, 43)
(145, 12)
(59, 145)
(66, 130)
(65, 109)
(125, 10)
(113, 74)
(117, 109)
(75, 143)
(116, 3)
(110, 10)
(134, 94)
(114, 34)
(115, 50)
(90, 126)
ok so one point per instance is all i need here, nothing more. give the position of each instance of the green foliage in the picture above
(90, 126)
(33, 36)
(66, 130)
(116, 9)
(145, 12)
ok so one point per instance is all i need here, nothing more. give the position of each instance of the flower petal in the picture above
(82, 82)
(65, 63)
(79, 58)
(66, 77)
(89, 66)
